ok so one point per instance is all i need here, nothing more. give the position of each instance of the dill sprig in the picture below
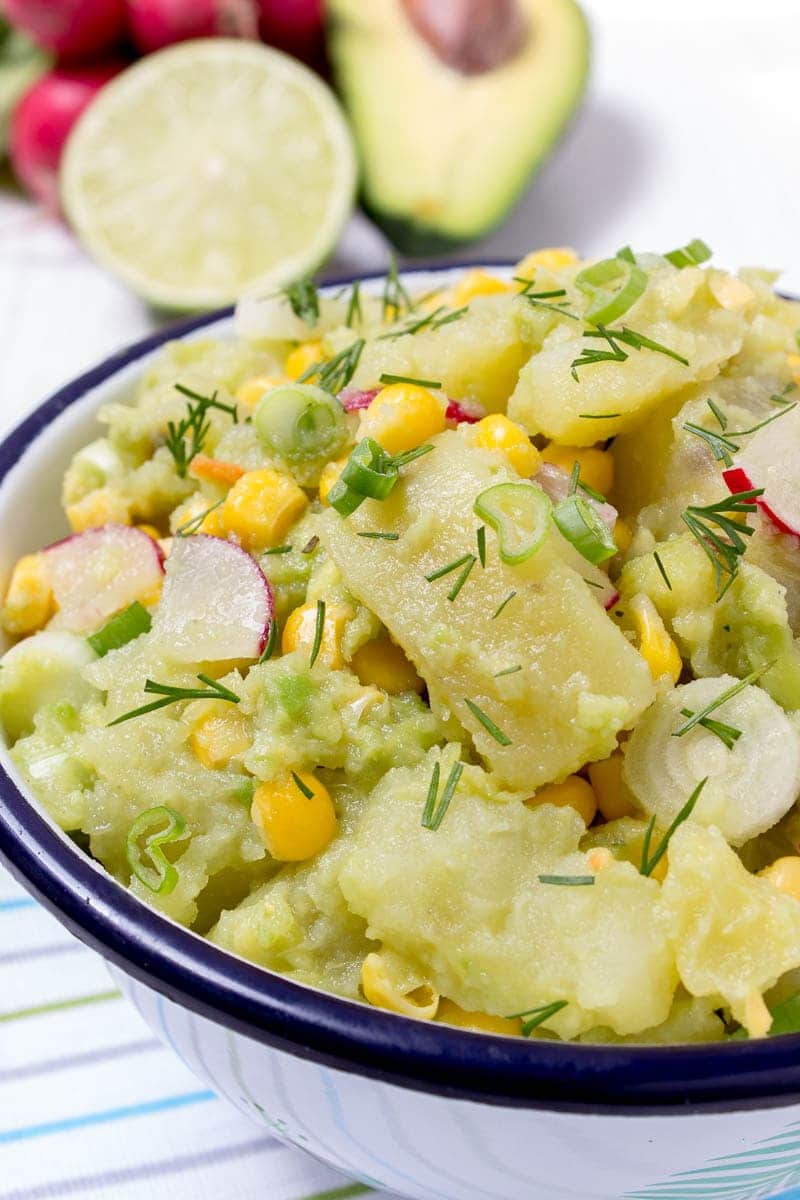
(214, 690)
(662, 570)
(650, 861)
(721, 535)
(388, 378)
(723, 445)
(185, 438)
(488, 724)
(532, 1018)
(615, 353)
(334, 374)
(433, 814)
(502, 605)
(302, 787)
(304, 300)
(354, 306)
(507, 671)
(192, 526)
(463, 577)
(728, 734)
(440, 572)
(396, 300)
(434, 320)
(703, 714)
(319, 627)
(568, 880)
(269, 648)
(480, 536)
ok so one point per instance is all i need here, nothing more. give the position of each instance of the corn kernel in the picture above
(103, 506)
(784, 874)
(655, 645)
(251, 391)
(623, 534)
(497, 432)
(553, 258)
(382, 663)
(613, 797)
(449, 1013)
(599, 859)
(383, 990)
(302, 357)
(329, 476)
(29, 602)
(219, 735)
(214, 470)
(294, 826)
(151, 531)
(261, 507)
(793, 361)
(574, 792)
(403, 416)
(597, 466)
(300, 629)
(477, 283)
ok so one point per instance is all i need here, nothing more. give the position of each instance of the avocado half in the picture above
(445, 155)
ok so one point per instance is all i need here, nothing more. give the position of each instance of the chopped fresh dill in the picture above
(310, 545)
(488, 724)
(279, 549)
(304, 300)
(568, 880)
(448, 567)
(615, 353)
(662, 570)
(396, 300)
(532, 1018)
(598, 416)
(534, 300)
(426, 383)
(213, 690)
(354, 306)
(302, 787)
(378, 535)
(698, 717)
(433, 815)
(650, 861)
(194, 427)
(319, 627)
(723, 446)
(728, 734)
(508, 671)
(192, 526)
(430, 800)
(480, 536)
(718, 413)
(269, 648)
(334, 374)
(502, 605)
(720, 535)
(462, 579)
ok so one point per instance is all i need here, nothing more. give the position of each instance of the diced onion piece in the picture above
(750, 786)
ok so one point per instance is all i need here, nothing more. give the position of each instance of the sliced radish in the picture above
(771, 460)
(462, 413)
(216, 604)
(96, 573)
(353, 399)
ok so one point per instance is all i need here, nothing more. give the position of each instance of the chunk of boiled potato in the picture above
(482, 928)
(581, 681)
(677, 310)
(477, 358)
(734, 934)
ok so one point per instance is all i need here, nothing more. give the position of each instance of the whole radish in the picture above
(296, 26)
(43, 119)
(156, 23)
(74, 29)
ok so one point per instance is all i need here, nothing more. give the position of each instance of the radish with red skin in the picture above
(771, 460)
(74, 29)
(43, 120)
(216, 606)
(296, 26)
(354, 400)
(154, 24)
(97, 573)
(462, 414)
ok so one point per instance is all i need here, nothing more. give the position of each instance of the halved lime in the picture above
(207, 168)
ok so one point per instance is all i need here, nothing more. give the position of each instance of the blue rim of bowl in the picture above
(340, 1033)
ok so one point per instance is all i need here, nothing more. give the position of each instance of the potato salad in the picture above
(441, 650)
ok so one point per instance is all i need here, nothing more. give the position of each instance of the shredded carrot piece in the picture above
(215, 469)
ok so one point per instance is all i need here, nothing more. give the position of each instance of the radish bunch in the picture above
(95, 39)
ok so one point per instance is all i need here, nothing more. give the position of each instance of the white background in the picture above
(691, 128)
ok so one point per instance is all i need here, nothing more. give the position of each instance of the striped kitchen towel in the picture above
(92, 1105)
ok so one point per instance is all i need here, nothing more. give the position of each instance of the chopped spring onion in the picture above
(532, 1018)
(488, 724)
(301, 787)
(691, 255)
(369, 472)
(651, 861)
(319, 627)
(424, 383)
(607, 305)
(578, 522)
(214, 690)
(158, 827)
(121, 629)
(519, 513)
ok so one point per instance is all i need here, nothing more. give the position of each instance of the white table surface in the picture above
(691, 128)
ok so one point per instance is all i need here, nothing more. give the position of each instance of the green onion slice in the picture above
(343, 499)
(519, 513)
(122, 628)
(156, 827)
(608, 305)
(690, 255)
(370, 470)
(581, 526)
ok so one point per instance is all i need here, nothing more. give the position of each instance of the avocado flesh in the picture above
(445, 155)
